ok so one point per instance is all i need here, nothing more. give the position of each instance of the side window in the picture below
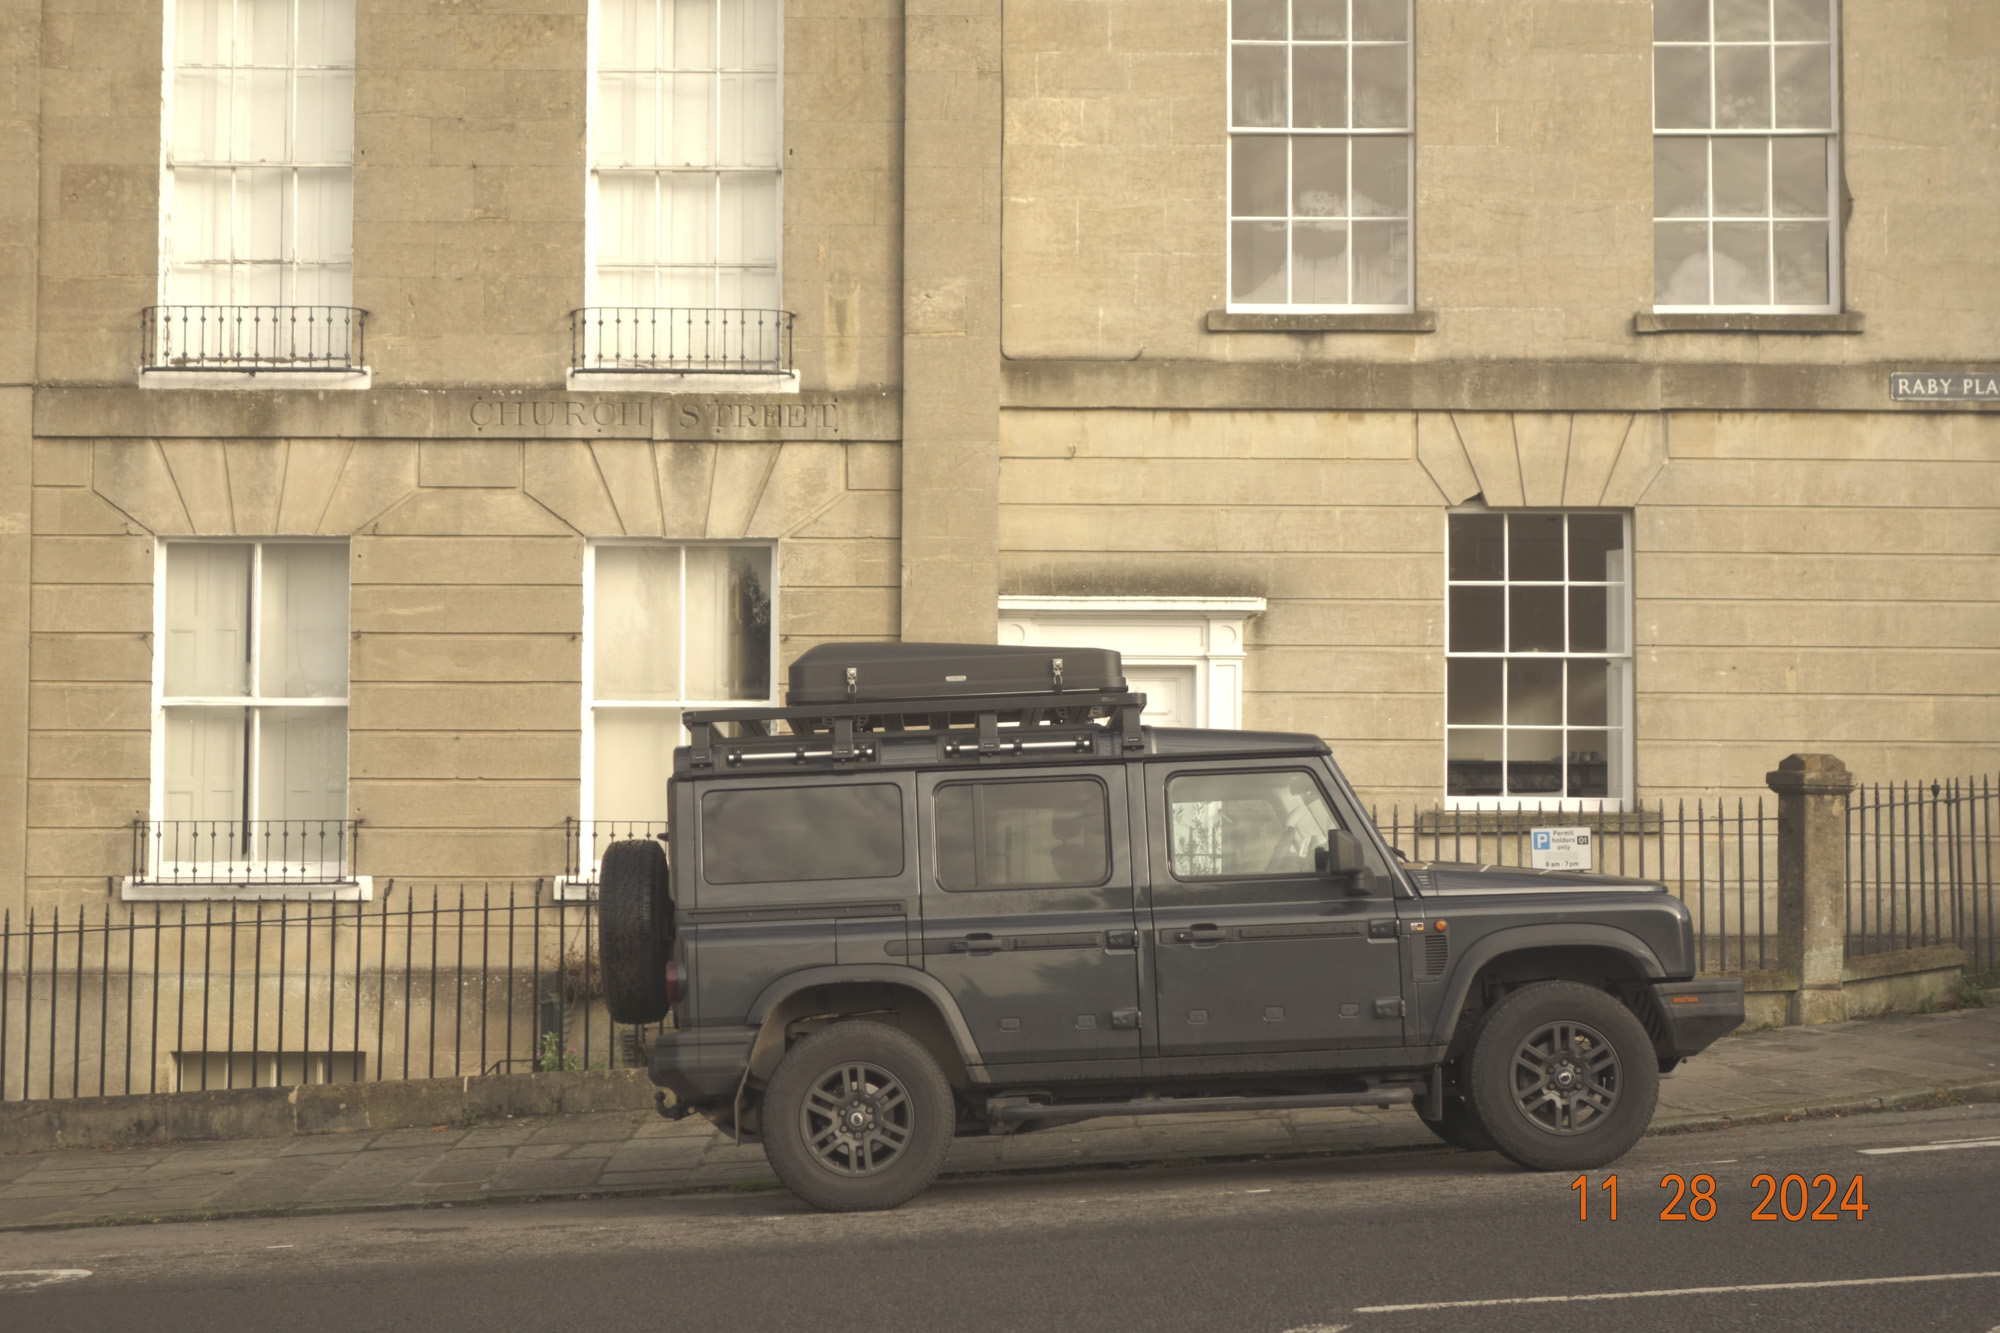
(1243, 825)
(1023, 835)
(773, 835)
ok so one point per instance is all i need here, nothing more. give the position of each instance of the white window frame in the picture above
(1832, 133)
(236, 879)
(1615, 802)
(1408, 133)
(1205, 633)
(584, 885)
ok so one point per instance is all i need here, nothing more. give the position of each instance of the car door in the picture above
(1027, 905)
(1254, 947)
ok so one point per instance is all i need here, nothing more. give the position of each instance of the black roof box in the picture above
(839, 673)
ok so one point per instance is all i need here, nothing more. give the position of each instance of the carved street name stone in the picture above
(1945, 386)
(665, 418)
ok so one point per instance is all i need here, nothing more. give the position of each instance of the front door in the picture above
(1028, 911)
(1254, 947)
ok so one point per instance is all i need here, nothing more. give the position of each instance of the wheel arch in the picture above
(904, 998)
(1587, 953)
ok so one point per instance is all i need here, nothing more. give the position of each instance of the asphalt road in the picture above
(1349, 1243)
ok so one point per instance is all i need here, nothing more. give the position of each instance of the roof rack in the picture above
(1063, 722)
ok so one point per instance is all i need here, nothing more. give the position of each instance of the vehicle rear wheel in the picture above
(857, 1117)
(1461, 1126)
(635, 921)
(1563, 1077)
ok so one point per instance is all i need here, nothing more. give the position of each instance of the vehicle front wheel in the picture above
(1461, 1127)
(857, 1117)
(1563, 1077)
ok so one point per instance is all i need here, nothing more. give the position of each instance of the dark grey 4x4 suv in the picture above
(957, 889)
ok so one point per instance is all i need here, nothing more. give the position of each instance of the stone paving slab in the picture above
(1850, 1064)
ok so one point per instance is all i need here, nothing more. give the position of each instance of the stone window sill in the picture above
(1413, 321)
(356, 888)
(1848, 322)
(679, 381)
(360, 378)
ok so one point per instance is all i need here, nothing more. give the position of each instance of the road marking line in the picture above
(1336, 1328)
(27, 1279)
(1947, 1145)
(1679, 1291)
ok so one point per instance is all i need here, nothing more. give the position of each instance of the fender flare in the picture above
(837, 974)
(1518, 938)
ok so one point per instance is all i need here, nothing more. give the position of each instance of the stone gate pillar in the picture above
(1812, 881)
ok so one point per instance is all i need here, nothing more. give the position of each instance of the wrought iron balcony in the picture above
(688, 341)
(243, 851)
(250, 338)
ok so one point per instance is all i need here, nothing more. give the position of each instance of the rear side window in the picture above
(1023, 835)
(770, 835)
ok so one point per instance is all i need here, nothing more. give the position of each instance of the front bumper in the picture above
(702, 1067)
(1694, 1013)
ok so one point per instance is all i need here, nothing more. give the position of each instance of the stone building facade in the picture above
(1452, 463)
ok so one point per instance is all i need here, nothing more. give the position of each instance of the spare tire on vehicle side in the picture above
(635, 929)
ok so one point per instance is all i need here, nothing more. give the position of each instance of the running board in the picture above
(1007, 1110)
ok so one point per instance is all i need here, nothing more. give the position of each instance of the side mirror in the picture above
(1341, 859)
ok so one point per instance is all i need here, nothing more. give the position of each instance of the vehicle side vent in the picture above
(1437, 950)
(1423, 879)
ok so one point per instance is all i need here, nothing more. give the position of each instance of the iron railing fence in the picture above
(252, 337)
(617, 339)
(1718, 855)
(244, 851)
(427, 981)
(1920, 867)
(587, 838)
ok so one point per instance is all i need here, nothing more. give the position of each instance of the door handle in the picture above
(1202, 934)
(977, 943)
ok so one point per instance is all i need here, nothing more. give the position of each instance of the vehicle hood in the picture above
(1465, 877)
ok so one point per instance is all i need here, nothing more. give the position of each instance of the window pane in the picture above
(1315, 20)
(1257, 175)
(1535, 620)
(1319, 176)
(1587, 685)
(690, 34)
(1472, 763)
(1680, 88)
(1596, 547)
(202, 107)
(203, 204)
(1742, 88)
(728, 622)
(1382, 177)
(259, 217)
(1802, 277)
(749, 124)
(1246, 824)
(301, 775)
(636, 623)
(1023, 835)
(1535, 547)
(303, 648)
(1478, 548)
(1262, 20)
(326, 116)
(1805, 87)
(1742, 263)
(1381, 263)
(624, 133)
(627, 34)
(749, 225)
(1534, 763)
(1798, 178)
(207, 619)
(687, 201)
(1742, 177)
(632, 756)
(1742, 20)
(1319, 87)
(1472, 690)
(1478, 620)
(1258, 87)
(261, 115)
(1680, 178)
(1319, 263)
(1680, 20)
(1257, 262)
(264, 32)
(1382, 87)
(1535, 692)
(1590, 764)
(1588, 624)
(326, 33)
(687, 120)
(1381, 20)
(1803, 21)
(325, 230)
(202, 32)
(773, 835)
(204, 771)
(628, 223)
(1680, 263)
(750, 34)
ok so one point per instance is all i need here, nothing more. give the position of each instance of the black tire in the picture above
(1563, 1077)
(857, 1117)
(1461, 1126)
(635, 922)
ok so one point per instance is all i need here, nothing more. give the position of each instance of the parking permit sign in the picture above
(1560, 849)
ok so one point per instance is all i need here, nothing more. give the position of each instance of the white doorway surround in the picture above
(1184, 653)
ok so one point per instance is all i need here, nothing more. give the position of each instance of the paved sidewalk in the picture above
(1854, 1066)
